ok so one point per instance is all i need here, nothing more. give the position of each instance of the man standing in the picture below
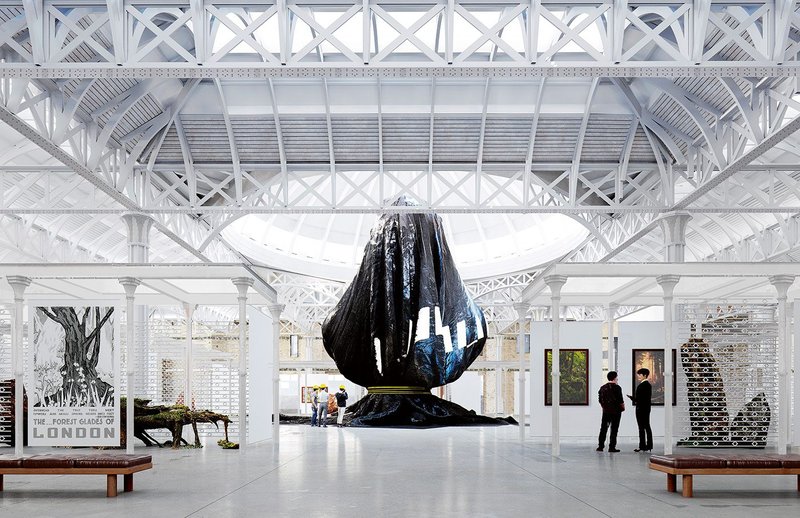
(314, 401)
(341, 402)
(322, 406)
(610, 396)
(642, 401)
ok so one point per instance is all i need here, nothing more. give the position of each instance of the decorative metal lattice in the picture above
(727, 374)
(215, 360)
(6, 399)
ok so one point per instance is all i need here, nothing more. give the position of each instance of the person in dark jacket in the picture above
(610, 396)
(642, 401)
(341, 402)
(314, 396)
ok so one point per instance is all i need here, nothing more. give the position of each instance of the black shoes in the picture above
(600, 448)
(642, 449)
(613, 450)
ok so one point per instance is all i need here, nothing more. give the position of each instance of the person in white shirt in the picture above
(322, 406)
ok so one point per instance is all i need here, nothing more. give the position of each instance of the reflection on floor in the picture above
(445, 472)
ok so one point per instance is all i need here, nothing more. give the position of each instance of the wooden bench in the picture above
(721, 464)
(108, 464)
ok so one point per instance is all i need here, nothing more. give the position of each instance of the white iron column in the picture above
(782, 284)
(522, 311)
(555, 283)
(188, 392)
(668, 283)
(309, 348)
(611, 318)
(674, 227)
(498, 375)
(138, 226)
(18, 284)
(130, 284)
(275, 310)
(242, 284)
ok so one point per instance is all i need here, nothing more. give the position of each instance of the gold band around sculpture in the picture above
(392, 389)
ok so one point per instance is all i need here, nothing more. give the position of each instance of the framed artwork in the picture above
(574, 383)
(75, 373)
(653, 359)
(306, 394)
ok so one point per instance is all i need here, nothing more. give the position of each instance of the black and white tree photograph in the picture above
(74, 356)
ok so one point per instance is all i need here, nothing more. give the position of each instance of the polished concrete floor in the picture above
(445, 472)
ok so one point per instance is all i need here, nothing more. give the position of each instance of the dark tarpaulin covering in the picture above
(407, 267)
(406, 320)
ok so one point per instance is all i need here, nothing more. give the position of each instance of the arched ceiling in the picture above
(266, 132)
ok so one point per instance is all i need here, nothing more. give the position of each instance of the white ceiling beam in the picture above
(624, 161)
(464, 208)
(237, 170)
(404, 70)
(576, 159)
(278, 131)
(188, 162)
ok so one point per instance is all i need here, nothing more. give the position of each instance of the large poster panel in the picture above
(75, 372)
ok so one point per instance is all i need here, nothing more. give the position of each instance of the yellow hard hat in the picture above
(315, 387)
(341, 387)
(323, 386)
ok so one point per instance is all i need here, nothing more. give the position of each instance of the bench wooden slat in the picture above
(725, 471)
(688, 481)
(110, 472)
(75, 471)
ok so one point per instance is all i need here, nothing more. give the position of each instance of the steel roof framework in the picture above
(703, 141)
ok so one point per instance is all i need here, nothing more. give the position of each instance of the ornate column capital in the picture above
(668, 283)
(782, 283)
(275, 311)
(18, 283)
(242, 284)
(130, 284)
(189, 308)
(674, 225)
(555, 283)
(522, 309)
(138, 225)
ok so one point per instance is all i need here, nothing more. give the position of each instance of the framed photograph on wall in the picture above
(653, 359)
(306, 394)
(574, 384)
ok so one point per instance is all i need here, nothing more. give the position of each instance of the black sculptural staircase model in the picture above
(405, 325)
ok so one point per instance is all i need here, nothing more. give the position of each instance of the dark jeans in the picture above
(645, 433)
(613, 420)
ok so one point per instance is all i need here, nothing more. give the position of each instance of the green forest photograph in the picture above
(574, 368)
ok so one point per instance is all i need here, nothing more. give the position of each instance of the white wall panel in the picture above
(575, 421)
(638, 335)
(467, 391)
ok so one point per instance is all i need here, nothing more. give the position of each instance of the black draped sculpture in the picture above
(405, 325)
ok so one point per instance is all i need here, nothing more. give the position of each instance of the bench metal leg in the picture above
(128, 482)
(687, 486)
(1, 481)
(111, 485)
(672, 482)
